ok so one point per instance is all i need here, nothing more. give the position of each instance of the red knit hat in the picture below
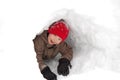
(60, 29)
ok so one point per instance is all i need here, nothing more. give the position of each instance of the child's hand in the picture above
(63, 67)
(48, 74)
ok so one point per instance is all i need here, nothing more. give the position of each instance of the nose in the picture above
(56, 40)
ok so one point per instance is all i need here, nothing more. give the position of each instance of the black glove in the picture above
(63, 67)
(48, 74)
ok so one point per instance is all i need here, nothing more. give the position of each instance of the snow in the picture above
(94, 36)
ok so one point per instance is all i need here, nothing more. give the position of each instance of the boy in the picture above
(48, 44)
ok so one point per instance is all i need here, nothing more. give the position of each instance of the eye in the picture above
(59, 39)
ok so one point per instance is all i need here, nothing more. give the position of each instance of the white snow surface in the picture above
(94, 35)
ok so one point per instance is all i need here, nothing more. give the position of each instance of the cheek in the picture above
(49, 38)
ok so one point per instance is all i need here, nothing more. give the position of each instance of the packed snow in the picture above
(94, 35)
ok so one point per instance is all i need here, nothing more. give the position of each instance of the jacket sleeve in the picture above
(66, 51)
(39, 47)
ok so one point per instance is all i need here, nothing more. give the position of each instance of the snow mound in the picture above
(94, 45)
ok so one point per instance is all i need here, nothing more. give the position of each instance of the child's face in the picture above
(54, 39)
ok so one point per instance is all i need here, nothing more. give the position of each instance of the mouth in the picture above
(51, 42)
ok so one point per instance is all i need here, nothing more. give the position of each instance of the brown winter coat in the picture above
(46, 51)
